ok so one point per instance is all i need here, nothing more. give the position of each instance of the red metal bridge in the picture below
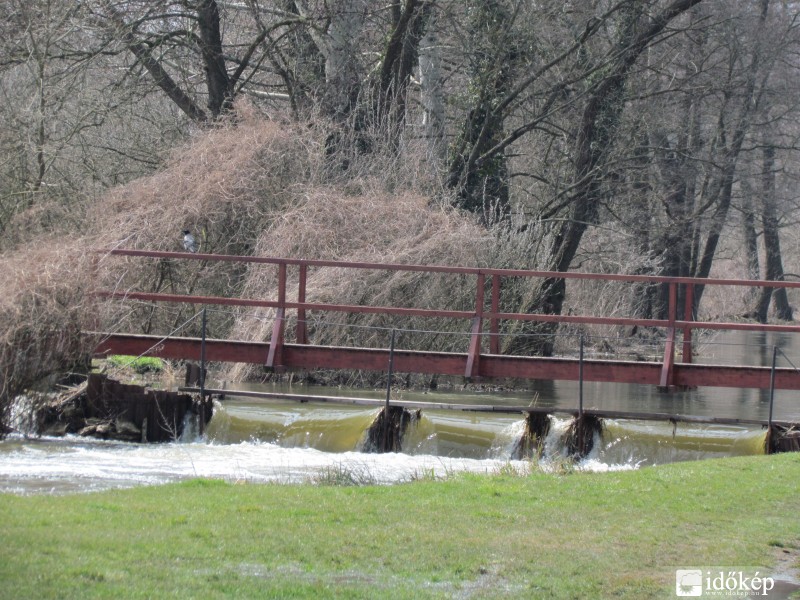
(481, 358)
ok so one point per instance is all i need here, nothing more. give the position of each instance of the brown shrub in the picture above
(253, 186)
(223, 186)
(378, 227)
(43, 309)
(226, 186)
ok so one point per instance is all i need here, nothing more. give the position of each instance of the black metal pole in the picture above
(202, 410)
(203, 355)
(772, 386)
(388, 393)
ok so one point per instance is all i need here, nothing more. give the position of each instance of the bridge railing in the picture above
(492, 279)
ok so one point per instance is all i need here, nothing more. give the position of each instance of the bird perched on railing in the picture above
(189, 243)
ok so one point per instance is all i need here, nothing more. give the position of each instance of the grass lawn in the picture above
(574, 535)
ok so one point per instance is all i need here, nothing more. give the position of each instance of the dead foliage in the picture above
(43, 309)
(378, 227)
(531, 443)
(226, 186)
(253, 186)
(386, 432)
(579, 435)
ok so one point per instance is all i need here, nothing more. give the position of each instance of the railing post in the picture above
(473, 356)
(302, 336)
(275, 355)
(688, 315)
(667, 367)
(494, 323)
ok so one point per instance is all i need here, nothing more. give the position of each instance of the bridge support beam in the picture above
(306, 356)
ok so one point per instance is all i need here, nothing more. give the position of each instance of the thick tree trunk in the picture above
(342, 69)
(220, 94)
(772, 245)
(400, 58)
(750, 237)
(432, 92)
(481, 185)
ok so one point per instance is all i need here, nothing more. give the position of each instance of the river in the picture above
(256, 440)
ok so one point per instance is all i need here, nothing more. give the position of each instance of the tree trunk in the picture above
(160, 76)
(481, 185)
(772, 245)
(343, 74)
(432, 92)
(400, 59)
(220, 94)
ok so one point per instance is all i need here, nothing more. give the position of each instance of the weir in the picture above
(578, 438)
(482, 359)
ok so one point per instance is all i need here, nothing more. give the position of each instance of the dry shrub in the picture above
(580, 434)
(223, 185)
(614, 252)
(226, 187)
(43, 308)
(47, 215)
(382, 228)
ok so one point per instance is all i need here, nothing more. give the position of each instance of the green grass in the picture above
(141, 364)
(607, 535)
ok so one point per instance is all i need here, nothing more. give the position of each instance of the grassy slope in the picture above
(564, 536)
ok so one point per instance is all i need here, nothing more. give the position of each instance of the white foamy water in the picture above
(61, 465)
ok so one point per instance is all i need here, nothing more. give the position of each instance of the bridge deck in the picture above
(488, 366)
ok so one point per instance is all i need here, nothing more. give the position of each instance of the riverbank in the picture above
(571, 535)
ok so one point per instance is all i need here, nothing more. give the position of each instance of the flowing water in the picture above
(259, 440)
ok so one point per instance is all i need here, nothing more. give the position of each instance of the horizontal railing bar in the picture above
(452, 270)
(186, 299)
(578, 319)
(221, 300)
(450, 314)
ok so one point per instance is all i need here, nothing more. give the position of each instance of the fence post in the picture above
(301, 312)
(772, 386)
(666, 380)
(688, 315)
